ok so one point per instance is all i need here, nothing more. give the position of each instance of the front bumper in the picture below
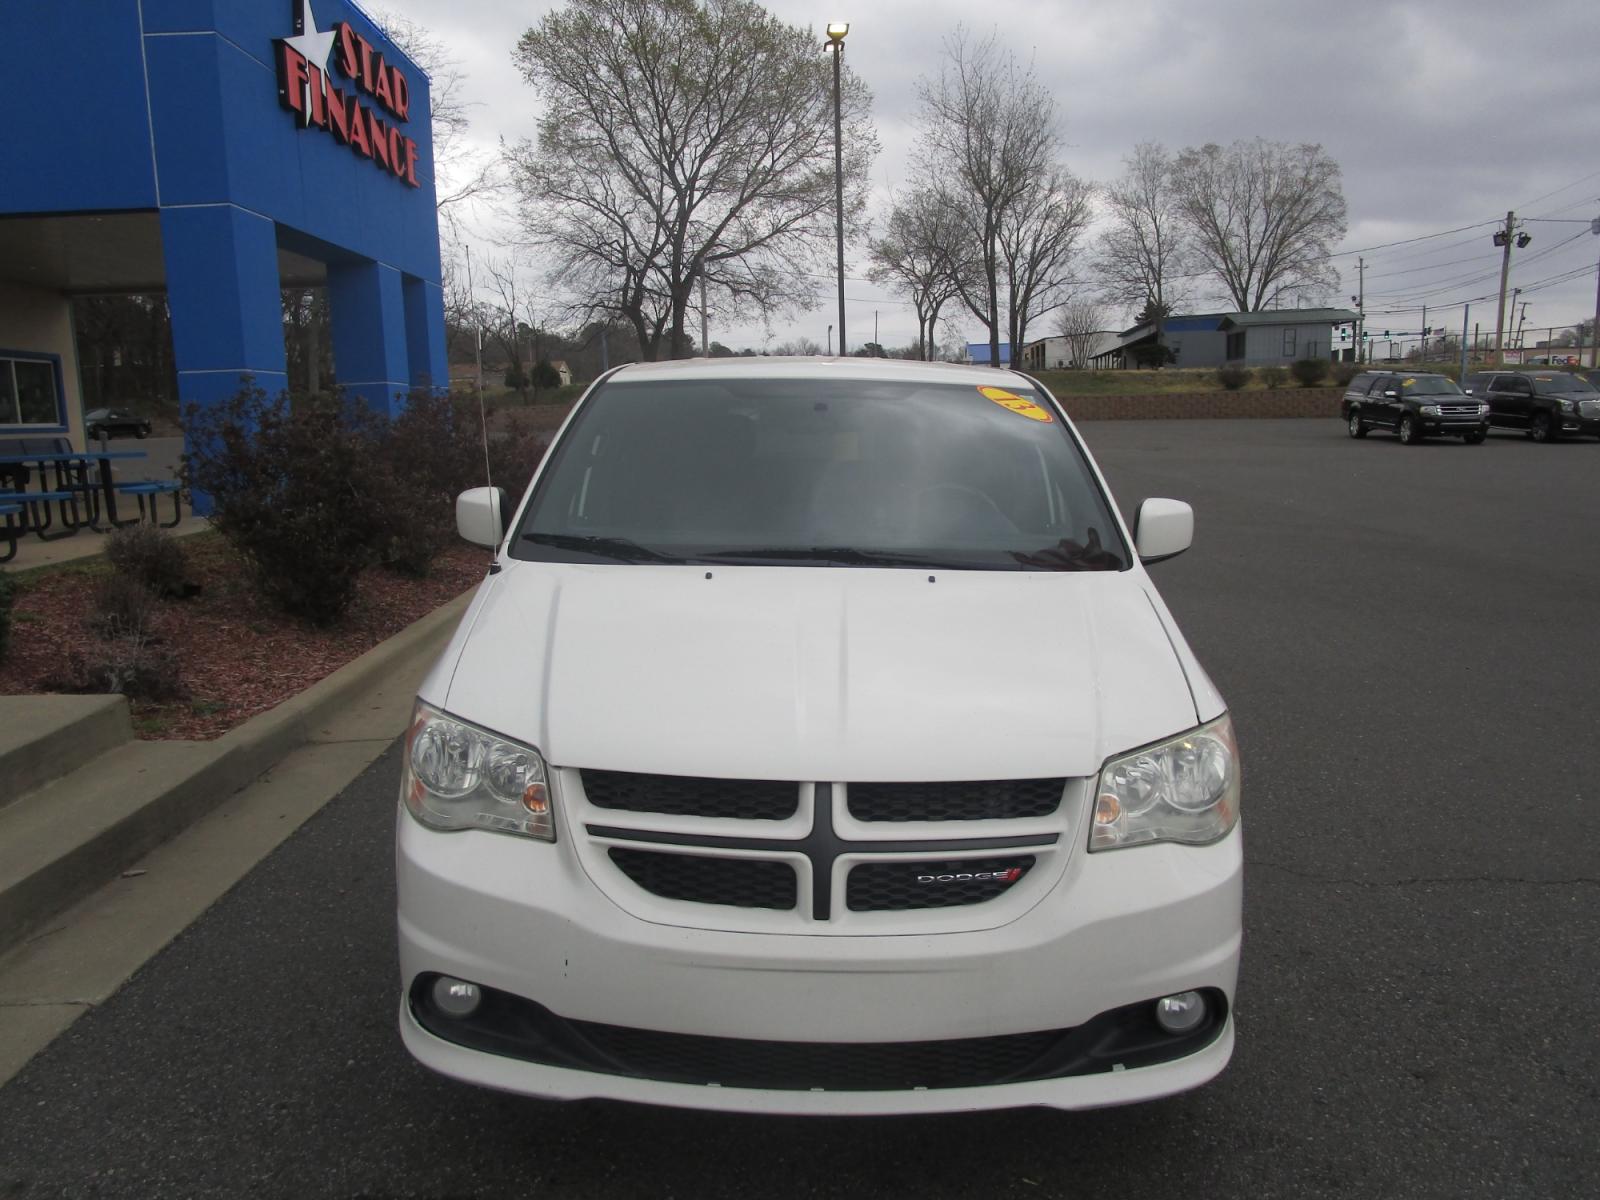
(1446, 427)
(523, 917)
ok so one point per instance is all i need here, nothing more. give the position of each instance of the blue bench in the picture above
(153, 489)
(10, 531)
(36, 515)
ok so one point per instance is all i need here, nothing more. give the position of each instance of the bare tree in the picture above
(1144, 256)
(912, 258)
(1080, 322)
(1038, 236)
(988, 127)
(459, 171)
(685, 140)
(1264, 216)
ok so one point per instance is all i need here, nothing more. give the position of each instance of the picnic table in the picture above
(79, 479)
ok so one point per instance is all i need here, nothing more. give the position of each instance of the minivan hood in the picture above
(817, 673)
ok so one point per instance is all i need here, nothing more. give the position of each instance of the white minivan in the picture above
(818, 743)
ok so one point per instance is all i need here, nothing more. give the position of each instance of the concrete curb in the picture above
(66, 861)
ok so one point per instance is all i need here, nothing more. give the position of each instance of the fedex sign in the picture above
(306, 63)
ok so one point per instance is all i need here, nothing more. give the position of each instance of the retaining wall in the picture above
(1274, 402)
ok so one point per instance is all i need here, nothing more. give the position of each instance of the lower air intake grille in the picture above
(898, 886)
(741, 882)
(882, 1066)
(509, 1025)
(996, 799)
(690, 796)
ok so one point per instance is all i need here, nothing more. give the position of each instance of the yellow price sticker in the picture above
(1015, 403)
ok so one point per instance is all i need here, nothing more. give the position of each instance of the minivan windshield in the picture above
(817, 472)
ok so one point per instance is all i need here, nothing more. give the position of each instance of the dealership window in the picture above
(29, 392)
(1288, 343)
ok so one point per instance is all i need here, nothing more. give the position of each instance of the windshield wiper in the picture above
(620, 549)
(847, 556)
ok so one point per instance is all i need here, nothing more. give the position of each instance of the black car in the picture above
(1413, 404)
(114, 422)
(1545, 404)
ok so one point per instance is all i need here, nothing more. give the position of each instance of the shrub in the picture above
(132, 666)
(1344, 372)
(1274, 377)
(290, 482)
(7, 598)
(122, 607)
(1233, 377)
(151, 556)
(429, 453)
(1308, 372)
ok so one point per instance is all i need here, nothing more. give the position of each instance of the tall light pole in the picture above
(836, 32)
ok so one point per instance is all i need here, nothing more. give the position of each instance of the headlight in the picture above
(1183, 790)
(1483, 410)
(458, 776)
(1430, 410)
(1566, 405)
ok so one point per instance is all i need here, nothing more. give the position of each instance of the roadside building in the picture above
(1064, 353)
(215, 152)
(1275, 337)
(978, 353)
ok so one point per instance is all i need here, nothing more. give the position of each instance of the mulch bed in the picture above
(237, 655)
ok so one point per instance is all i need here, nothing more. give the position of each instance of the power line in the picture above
(1562, 188)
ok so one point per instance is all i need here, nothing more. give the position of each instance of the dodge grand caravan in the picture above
(818, 743)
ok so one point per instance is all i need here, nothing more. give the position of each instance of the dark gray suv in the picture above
(1544, 404)
(1414, 405)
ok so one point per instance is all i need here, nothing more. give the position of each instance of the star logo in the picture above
(313, 44)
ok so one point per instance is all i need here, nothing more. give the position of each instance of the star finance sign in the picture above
(306, 88)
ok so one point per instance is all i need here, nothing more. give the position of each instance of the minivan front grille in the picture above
(833, 869)
(702, 879)
(984, 800)
(692, 796)
(901, 886)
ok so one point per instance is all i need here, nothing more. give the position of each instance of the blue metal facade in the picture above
(174, 106)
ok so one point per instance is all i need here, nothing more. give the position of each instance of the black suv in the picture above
(1544, 404)
(1414, 405)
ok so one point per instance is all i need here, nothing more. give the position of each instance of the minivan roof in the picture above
(795, 367)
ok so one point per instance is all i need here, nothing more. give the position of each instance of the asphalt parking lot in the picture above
(1407, 638)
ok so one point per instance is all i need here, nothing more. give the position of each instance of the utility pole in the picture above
(1361, 310)
(1503, 237)
(1594, 334)
(705, 337)
(1466, 312)
(875, 328)
(1422, 350)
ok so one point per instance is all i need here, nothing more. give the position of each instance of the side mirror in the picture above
(1162, 529)
(481, 516)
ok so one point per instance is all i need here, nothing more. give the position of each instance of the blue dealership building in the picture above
(217, 151)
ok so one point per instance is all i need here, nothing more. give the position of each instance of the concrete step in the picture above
(44, 737)
(68, 837)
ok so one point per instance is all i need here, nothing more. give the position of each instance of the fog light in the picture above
(458, 998)
(1179, 1014)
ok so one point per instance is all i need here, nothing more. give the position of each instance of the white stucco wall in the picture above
(40, 322)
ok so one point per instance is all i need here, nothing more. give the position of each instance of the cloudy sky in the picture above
(1443, 115)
